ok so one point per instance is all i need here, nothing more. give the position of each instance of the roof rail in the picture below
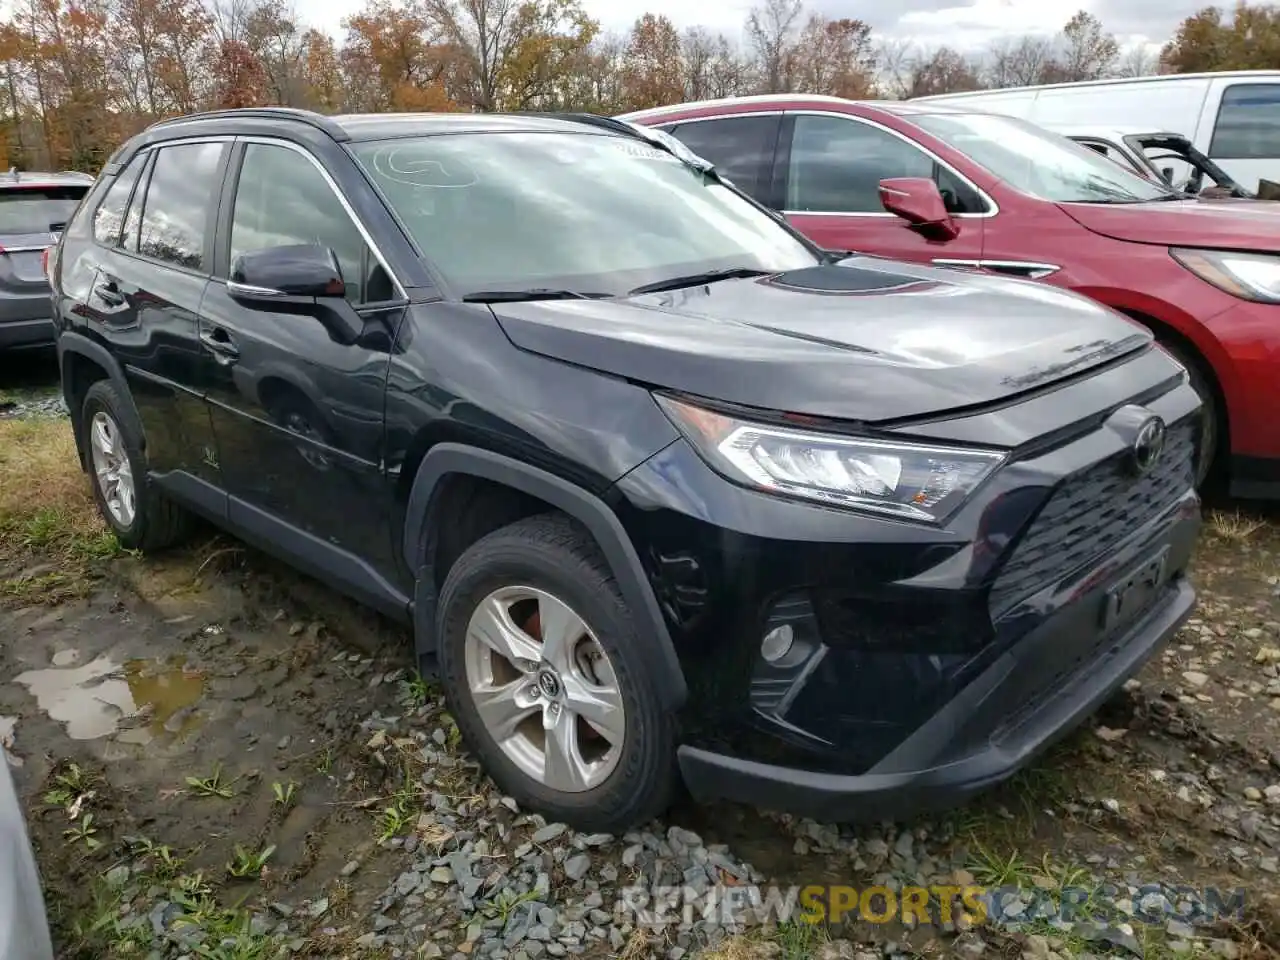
(317, 120)
(592, 119)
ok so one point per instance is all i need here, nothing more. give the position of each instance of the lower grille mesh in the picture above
(1089, 513)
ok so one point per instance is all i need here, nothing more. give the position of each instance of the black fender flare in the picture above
(71, 342)
(450, 458)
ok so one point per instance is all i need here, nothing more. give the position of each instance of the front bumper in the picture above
(926, 772)
(924, 662)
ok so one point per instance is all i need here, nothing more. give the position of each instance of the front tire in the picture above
(547, 680)
(141, 517)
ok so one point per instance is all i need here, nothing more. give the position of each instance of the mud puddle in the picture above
(209, 717)
(104, 697)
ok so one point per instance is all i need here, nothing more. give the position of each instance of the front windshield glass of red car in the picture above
(1040, 163)
(586, 212)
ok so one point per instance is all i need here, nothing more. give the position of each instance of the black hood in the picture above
(867, 339)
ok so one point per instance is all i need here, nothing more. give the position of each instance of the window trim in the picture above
(231, 188)
(1217, 120)
(993, 208)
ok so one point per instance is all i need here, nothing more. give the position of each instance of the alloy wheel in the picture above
(544, 688)
(112, 469)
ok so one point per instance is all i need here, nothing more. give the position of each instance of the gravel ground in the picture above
(276, 781)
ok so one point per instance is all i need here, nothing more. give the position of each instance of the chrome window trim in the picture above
(333, 186)
(1035, 270)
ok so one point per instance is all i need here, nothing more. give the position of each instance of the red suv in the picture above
(925, 182)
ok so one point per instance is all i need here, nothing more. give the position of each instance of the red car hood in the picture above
(1239, 225)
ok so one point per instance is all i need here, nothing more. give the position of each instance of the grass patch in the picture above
(47, 515)
(124, 880)
(1233, 526)
(793, 940)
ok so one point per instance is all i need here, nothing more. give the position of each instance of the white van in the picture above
(1233, 117)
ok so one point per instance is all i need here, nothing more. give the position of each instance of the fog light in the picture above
(777, 643)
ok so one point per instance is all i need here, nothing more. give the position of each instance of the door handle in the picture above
(108, 292)
(220, 344)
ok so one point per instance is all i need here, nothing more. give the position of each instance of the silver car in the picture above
(34, 207)
(24, 927)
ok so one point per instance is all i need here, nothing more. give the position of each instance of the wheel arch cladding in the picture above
(82, 362)
(452, 458)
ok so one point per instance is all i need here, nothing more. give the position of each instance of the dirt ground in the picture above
(210, 734)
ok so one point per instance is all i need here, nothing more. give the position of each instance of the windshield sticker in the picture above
(641, 151)
(412, 165)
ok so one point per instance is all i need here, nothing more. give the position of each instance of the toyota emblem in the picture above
(1149, 445)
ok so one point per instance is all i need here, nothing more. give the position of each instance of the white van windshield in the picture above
(1041, 163)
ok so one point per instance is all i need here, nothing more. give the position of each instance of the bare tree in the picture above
(1019, 63)
(1138, 60)
(771, 30)
(893, 67)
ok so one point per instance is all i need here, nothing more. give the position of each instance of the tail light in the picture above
(44, 262)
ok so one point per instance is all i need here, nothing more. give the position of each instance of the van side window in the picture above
(740, 147)
(837, 165)
(1248, 125)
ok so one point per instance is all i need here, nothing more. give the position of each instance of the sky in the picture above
(967, 24)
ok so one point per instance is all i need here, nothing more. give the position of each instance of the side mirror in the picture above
(300, 279)
(918, 201)
(302, 270)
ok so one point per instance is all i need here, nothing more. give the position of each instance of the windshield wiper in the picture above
(697, 279)
(535, 293)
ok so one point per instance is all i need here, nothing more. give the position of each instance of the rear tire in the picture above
(141, 517)
(546, 572)
(1207, 463)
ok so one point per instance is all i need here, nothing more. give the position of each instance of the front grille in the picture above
(1089, 513)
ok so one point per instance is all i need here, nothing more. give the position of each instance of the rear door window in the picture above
(108, 219)
(740, 147)
(176, 213)
(1248, 125)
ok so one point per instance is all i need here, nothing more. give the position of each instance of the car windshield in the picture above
(36, 209)
(584, 212)
(1039, 162)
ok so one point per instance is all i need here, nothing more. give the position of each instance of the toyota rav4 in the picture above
(665, 491)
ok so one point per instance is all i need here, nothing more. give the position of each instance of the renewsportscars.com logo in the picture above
(964, 906)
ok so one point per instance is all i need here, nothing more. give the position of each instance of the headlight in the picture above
(1250, 276)
(909, 480)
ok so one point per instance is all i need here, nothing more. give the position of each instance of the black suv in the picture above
(663, 489)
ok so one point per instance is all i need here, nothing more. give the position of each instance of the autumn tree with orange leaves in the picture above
(81, 75)
(1248, 38)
